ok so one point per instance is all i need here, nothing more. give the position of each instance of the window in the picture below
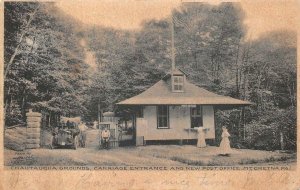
(196, 117)
(163, 117)
(178, 83)
(140, 112)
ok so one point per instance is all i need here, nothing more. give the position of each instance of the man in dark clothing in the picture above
(105, 135)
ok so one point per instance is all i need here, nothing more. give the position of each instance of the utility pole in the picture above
(172, 41)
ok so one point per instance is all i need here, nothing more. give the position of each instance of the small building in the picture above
(173, 108)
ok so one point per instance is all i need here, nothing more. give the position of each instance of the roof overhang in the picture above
(221, 106)
(231, 106)
(161, 94)
(219, 101)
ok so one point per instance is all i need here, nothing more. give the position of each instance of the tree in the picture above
(40, 66)
(207, 39)
(271, 74)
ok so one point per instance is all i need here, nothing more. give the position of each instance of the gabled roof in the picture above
(174, 72)
(161, 94)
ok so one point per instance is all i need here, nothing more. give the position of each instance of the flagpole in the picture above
(172, 41)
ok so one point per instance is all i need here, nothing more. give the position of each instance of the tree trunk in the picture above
(10, 104)
(218, 70)
(6, 101)
(239, 124)
(245, 85)
(281, 141)
(258, 89)
(212, 66)
(195, 58)
(99, 113)
(49, 122)
(290, 93)
(237, 81)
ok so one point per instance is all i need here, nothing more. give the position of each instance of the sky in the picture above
(261, 16)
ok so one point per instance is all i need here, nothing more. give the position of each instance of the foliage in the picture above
(207, 40)
(265, 132)
(43, 61)
(46, 67)
(15, 116)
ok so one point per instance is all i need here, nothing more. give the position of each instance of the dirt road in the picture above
(155, 155)
(91, 155)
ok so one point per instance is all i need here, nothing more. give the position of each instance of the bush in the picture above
(14, 116)
(262, 132)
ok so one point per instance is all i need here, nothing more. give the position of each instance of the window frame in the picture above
(177, 83)
(197, 115)
(167, 116)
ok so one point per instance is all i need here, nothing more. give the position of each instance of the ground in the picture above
(154, 155)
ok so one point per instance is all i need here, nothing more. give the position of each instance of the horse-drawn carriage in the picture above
(68, 134)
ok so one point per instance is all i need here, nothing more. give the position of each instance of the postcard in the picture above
(149, 94)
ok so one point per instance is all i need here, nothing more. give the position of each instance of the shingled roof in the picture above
(161, 94)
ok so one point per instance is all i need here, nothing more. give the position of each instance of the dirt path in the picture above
(91, 155)
(92, 138)
(84, 156)
(155, 155)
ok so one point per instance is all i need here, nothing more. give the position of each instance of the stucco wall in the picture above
(179, 121)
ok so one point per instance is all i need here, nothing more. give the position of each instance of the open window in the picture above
(177, 83)
(163, 117)
(196, 117)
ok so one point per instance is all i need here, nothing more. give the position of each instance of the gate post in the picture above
(33, 130)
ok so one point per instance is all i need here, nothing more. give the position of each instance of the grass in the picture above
(265, 160)
(248, 161)
(188, 162)
(213, 162)
(219, 161)
(209, 157)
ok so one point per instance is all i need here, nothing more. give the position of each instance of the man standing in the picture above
(105, 135)
(82, 135)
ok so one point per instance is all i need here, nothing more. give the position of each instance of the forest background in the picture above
(47, 68)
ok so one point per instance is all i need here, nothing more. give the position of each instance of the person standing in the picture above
(225, 148)
(105, 135)
(201, 138)
(82, 135)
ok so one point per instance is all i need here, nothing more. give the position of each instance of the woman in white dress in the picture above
(201, 138)
(225, 148)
